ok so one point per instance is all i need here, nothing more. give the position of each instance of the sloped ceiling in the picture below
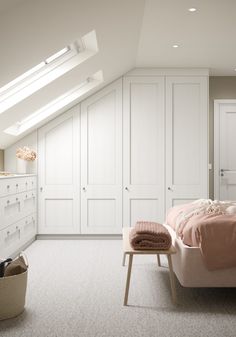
(32, 30)
(130, 33)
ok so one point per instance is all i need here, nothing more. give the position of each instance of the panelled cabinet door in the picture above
(59, 174)
(186, 139)
(143, 149)
(101, 161)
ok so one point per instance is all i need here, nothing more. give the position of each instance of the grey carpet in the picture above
(76, 288)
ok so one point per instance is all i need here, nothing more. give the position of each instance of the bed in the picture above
(191, 270)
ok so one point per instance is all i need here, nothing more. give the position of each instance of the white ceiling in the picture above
(206, 37)
(130, 33)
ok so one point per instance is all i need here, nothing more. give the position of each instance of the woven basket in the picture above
(12, 295)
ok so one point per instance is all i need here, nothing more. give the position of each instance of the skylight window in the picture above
(47, 71)
(57, 55)
(56, 105)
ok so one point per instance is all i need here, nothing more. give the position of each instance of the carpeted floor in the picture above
(76, 288)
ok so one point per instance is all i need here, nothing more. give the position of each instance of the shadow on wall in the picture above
(1, 160)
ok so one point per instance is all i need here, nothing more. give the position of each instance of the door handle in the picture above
(224, 170)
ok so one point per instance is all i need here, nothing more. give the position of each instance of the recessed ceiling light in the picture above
(175, 46)
(192, 9)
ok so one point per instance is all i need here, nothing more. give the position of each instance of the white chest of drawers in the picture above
(18, 207)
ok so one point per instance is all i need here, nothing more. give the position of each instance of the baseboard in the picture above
(26, 245)
(78, 237)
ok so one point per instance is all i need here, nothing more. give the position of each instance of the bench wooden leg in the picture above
(123, 261)
(128, 279)
(158, 260)
(172, 280)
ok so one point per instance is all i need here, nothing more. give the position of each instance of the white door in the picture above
(58, 175)
(186, 139)
(143, 149)
(225, 145)
(101, 161)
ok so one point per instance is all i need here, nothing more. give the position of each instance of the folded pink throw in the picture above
(150, 235)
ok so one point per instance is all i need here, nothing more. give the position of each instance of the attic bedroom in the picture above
(117, 168)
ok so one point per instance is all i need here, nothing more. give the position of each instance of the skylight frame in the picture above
(37, 72)
(61, 102)
(24, 86)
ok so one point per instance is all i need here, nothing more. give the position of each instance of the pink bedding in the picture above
(213, 232)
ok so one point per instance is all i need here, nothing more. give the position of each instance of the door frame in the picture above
(217, 105)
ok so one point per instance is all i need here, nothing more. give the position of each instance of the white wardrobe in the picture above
(127, 153)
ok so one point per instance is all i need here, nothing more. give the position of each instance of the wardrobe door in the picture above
(186, 139)
(59, 174)
(143, 148)
(101, 161)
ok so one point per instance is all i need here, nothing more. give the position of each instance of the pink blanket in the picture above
(149, 235)
(214, 233)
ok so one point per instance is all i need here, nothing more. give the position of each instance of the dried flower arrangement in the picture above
(26, 153)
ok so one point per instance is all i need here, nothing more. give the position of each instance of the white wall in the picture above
(10, 160)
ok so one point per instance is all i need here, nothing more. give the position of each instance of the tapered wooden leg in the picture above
(128, 279)
(158, 260)
(172, 280)
(123, 261)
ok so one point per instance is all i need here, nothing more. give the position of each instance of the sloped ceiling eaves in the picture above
(34, 30)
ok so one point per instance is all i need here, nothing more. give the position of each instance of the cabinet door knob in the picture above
(126, 188)
(41, 189)
(84, 189)
(170, 189)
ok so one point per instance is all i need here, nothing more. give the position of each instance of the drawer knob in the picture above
(17, 227)
(8, 233)
(8, 186)
(17, 185)
(8, 201)
(26, 196)
(16, 199)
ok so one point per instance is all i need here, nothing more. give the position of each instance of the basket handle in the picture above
(25, 258)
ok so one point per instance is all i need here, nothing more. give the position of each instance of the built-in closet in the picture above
(126, 153)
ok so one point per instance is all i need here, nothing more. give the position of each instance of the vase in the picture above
(24, 166)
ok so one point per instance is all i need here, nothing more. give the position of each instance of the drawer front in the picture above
(28, 229)
(32, 183)
(17, 185)
(7, 187)
(11, 239)
(29, 202)
(27, 184)
(11, 210)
